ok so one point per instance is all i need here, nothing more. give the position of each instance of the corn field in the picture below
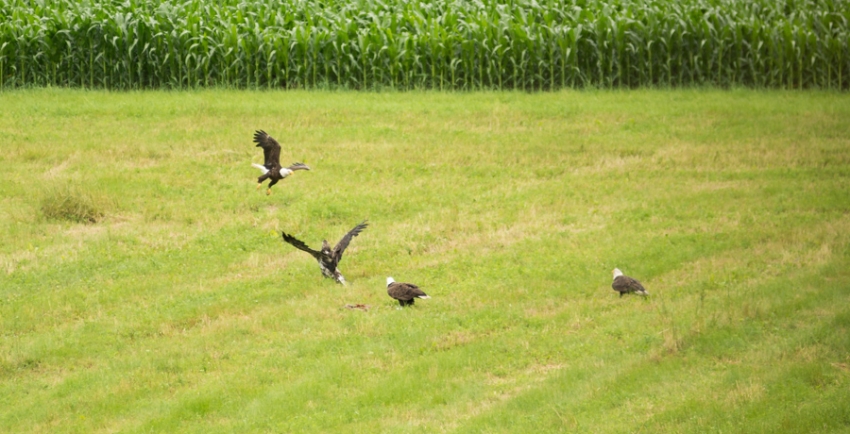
(406, 44)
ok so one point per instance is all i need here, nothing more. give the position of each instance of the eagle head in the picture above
(390, 281)
(617, 272)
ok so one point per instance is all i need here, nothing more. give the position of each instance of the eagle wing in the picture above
(271, 148)
(343, 243)
(300, 245)
(627, 284)
(404, 291)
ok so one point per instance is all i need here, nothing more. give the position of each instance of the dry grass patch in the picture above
(745, 392)
(452, 340)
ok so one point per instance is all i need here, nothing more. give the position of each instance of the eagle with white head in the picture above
(405, 293)
(625, 284)
(271, 166)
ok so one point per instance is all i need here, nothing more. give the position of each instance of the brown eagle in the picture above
(625, 284)
(405, 293)
(328, 259)
(271, 167)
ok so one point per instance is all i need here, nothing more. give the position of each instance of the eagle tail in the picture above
(261, 167)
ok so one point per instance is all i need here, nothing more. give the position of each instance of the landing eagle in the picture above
(271, 167)
(625, 284)
(328, 258)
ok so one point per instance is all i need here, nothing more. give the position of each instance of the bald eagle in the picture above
(328, 259)
(271, 168)
(405, 293)
(625, 284)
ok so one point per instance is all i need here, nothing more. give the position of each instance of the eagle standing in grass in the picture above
(625, 284)
(328, 259)
(405, 293)
(271, 167)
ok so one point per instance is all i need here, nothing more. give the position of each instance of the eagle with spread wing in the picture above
(271, 167)
(328, 258)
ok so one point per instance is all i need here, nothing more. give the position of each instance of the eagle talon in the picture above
(259, 185)
(268, 192)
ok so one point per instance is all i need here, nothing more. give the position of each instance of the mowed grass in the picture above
(144, 286)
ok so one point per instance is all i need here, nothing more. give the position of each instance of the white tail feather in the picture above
(262, 168)
(424, 296)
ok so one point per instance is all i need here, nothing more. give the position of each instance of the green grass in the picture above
(179, 309)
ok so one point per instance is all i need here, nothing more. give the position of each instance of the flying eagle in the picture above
(271, 168)
(405, 293)
(624, 284)
(328, 259)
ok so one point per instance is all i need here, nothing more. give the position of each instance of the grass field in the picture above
(144, 286)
